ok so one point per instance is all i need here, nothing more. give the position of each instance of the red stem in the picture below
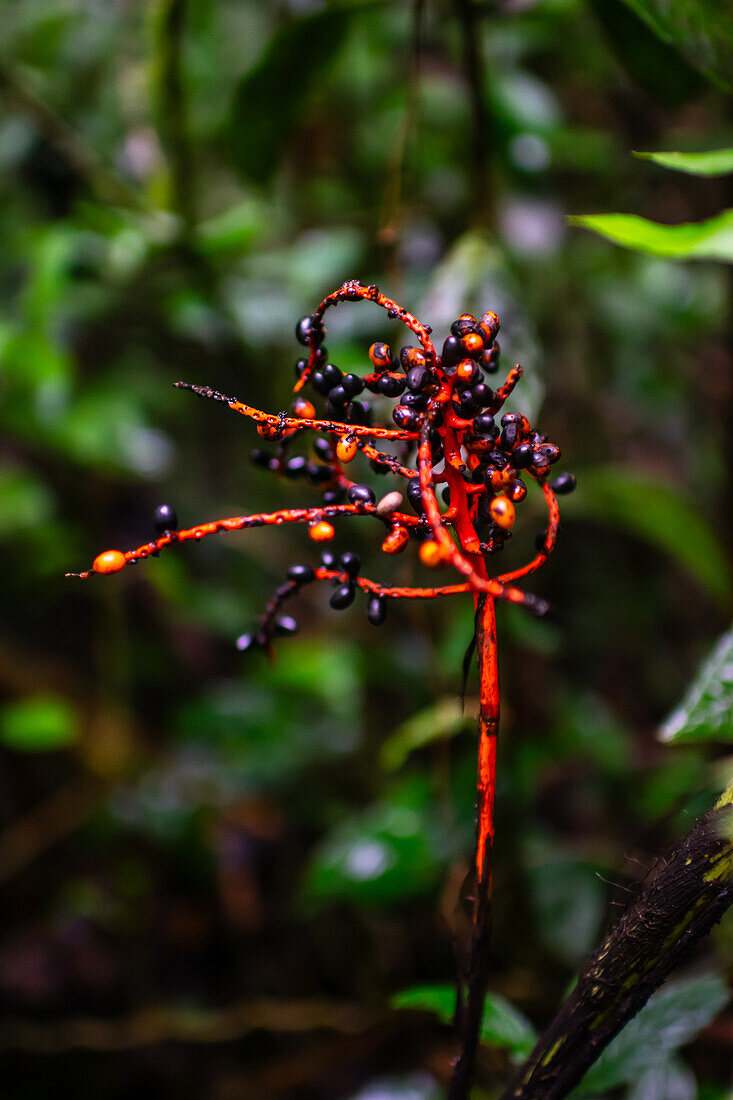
(470, 1009)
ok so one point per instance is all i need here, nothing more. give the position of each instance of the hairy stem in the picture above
(687, 895)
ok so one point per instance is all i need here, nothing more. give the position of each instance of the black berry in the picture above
(343, 597)
(563, 483)
(360, 494)
(376, 610)
(165, 518)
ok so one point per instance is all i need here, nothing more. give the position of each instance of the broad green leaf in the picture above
(271, 96)
(444, 719)
(670, 1020)
(706, 711)
(38, 724)
(502, 1025)
(717, 162)
(708, 240)
(702, 31)
(658, 512)
(439, 998)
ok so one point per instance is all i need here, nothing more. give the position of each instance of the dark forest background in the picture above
(217, 873)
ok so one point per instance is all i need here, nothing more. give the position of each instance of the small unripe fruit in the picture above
(396, 540)
(321, 531)
(473, 343)
(110, 561)
(431, 554)
(346, 448)
(303, 409)
(465, 370)
(381, 356)
(502, 512)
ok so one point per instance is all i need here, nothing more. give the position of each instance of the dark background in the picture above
(216, 872)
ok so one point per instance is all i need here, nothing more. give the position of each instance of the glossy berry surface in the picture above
(165, 518)
(111, 561)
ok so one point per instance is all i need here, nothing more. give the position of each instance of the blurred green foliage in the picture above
(183, 825)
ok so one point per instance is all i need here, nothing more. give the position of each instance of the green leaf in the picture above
(444, 719)
(706, 711)
(670, 1020)
(439, 998)
(38, 724)
(702, 31)
(502, 1025)
(708, 240)
(658, 512)
(717, 162)
(270, 97)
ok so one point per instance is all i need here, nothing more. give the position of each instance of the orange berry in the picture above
(321, 531)
(396, 540)
(380, 355)
(346, 448)
(111, 561)
(267, 430)
(303, 409)
(502, 479)
(473, 343)
(465, 369)
(431, 554)
(502, 512)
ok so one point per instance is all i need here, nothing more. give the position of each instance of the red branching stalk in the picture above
(438, 418)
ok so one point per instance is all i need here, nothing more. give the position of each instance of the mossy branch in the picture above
(688, 893)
